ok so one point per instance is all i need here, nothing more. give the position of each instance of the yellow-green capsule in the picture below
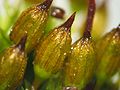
(12, 66)
(51, 53)
(109, 58)
(32, 21)
(80, 63)
(102, 43)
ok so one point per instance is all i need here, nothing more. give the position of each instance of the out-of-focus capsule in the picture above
(102, 44)
(32, 21)
(57, 12)
(51, 53)
(80, 65)
(12, 66)
(109, 58)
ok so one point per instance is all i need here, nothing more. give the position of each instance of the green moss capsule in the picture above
(51, 53)
(80, 64)
(32, 21)
(12, 66)
(109, 58)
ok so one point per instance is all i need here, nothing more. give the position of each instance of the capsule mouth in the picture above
(22, 42)
(45, 5)
(118, 30)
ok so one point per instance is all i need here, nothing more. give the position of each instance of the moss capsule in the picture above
(58, 41)
(51, 53)
(109, 58)
(12, 66)
(80, 64)
(32, 21)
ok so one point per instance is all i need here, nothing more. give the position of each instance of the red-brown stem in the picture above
(90, 17)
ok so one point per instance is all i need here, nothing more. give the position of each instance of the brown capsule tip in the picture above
(21, 44)
(118, 27)
(69, 22)
(90, 18)
(45, 5)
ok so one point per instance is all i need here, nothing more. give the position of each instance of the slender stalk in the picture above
(90, 18)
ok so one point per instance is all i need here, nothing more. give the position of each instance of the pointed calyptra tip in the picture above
(118, 29)
(21, 44)
(45, 5)
(90, 18)
(69, 22)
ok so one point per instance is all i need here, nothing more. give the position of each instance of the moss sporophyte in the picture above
(51, 53)
(53, 61)
(80, 65)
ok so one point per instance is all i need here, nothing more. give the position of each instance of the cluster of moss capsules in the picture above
(55, 56)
